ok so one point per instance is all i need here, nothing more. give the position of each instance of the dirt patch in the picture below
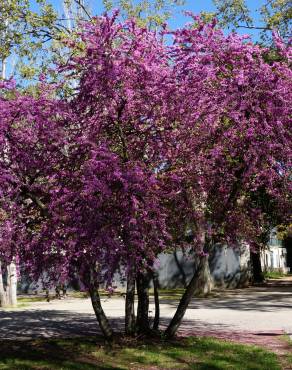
(272, 340)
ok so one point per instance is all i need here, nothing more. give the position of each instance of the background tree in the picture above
(25, 34)
(274, 14)
(232, 147)
(147, 13)
(30, 41)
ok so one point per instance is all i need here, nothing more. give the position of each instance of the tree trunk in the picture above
(181, 270)
(8, 294)
(129, 306)
(100, 315)
(3, 292)
(204, 282)
(93, 286)
(185, 300)
(143, 304)
(257, 272)
(156, 301)
(12, 284)
(8, 291)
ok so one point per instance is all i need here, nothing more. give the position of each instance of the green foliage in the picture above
(274, 275)
(278, 14)
(232, 12)
(284, 231)
(80, 353)
(23, 32)
(31, 31)
(274, 14)
(31, 40)
(147, 12)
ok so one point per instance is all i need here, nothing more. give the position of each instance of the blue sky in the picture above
(177, 20)
(196, 6)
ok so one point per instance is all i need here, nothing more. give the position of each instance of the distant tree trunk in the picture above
(204, 283)
(47, 295)
(156, 301)
(185, 300)
(181, 270)
(3, 293)
(129, 306)
(8, 288)
(8, 293)
(12, 283)
(257, 272)
(142, 322)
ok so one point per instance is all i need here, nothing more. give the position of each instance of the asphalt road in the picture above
(261, 310)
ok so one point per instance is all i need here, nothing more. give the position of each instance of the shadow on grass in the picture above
(81, 353)
(47, 354)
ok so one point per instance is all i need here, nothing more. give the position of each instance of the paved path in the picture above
(262, 311)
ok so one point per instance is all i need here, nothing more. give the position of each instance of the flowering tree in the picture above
(31, 150)
(156, 137)
(234, 151)
(97, 196)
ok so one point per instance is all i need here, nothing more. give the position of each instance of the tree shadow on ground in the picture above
(90, 353)
(30, 324)
(47, 354)
(49, 323)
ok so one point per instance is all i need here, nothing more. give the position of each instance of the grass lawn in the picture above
(81, 353)
(164, 294)
(275, 275)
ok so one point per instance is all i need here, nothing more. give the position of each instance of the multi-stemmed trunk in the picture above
(201, 278)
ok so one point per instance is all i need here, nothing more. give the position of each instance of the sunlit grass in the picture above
(274, 275)
(190, 353)
(175, 293)
(30, 299)
(287, 360)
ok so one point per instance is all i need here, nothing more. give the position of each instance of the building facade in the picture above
(274, 256)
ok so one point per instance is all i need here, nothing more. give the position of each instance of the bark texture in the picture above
(156, 302)
(3, 293)
(8, 286)
(103, 322)
(257, 272)
(142, 322)
(185, 300)
(204, 281)
(100, 315)
(129, 307)
(181, 270)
